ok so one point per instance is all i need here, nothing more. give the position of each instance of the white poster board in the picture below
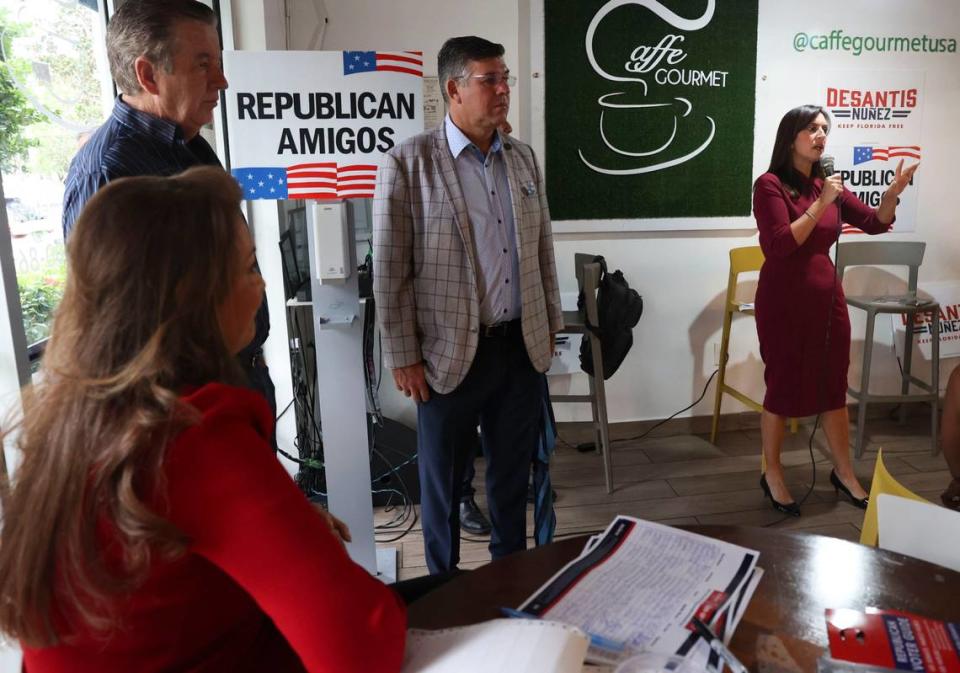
(877, 119)
(947, 294)
(314, 124)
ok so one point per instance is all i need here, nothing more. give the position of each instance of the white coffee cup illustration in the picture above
(632, 126)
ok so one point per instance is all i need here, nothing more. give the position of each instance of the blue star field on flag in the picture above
(262, 183)
(359, 61)
(862, 155)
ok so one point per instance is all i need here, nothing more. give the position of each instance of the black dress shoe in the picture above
(951, 497)
(838, 486)
(472, 520)
(788, 508)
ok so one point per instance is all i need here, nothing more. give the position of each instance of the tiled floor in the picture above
(683, 479)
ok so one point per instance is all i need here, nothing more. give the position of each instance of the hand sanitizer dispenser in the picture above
(332, 256)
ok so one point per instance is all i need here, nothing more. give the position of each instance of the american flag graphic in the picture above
(409, 62)
(865, 153)
(324, 180)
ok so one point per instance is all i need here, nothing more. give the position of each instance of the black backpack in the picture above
(618, 310)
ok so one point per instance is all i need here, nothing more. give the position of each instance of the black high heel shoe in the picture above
(951, 497)
(838, 486)
(788, 508)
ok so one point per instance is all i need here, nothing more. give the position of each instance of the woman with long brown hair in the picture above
(149, 526)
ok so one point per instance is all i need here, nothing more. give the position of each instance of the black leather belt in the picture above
(500, 329)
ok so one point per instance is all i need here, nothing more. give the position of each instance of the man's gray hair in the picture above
(457, 52)
(146, 28)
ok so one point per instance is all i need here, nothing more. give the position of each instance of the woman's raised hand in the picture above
(902, 178)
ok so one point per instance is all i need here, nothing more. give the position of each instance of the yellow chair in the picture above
(883, 482)
(742, 260)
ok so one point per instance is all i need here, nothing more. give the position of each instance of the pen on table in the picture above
(717, 645)
(597, 641)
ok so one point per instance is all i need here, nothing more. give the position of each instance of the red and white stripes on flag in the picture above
(410, 62)
(904, 151)
(312, 181)
(356, 181)
(329, 181)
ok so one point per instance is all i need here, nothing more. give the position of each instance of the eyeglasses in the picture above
(493, 79)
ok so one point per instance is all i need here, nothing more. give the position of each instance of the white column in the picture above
(260, 26)
(14, 365)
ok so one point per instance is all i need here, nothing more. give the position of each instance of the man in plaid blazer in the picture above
(466, 289)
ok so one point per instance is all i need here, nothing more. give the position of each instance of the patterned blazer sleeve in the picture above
(393, 280)
(548, 265)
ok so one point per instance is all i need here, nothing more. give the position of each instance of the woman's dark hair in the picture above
(149, 264)
(781, 161)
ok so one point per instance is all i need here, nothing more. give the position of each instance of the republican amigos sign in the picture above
(649, 107)
(313, 124)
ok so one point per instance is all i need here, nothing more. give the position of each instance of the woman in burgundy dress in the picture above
(802, 320)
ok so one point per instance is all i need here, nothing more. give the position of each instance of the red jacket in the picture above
(264, 585)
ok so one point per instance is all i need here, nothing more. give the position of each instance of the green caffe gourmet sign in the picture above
(649, 107)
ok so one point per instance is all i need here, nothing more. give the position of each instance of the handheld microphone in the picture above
(826, 163)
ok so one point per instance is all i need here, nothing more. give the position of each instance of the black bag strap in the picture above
(581, 301)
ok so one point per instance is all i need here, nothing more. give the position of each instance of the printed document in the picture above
(639, 585)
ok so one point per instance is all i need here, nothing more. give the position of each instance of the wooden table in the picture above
(804, 574)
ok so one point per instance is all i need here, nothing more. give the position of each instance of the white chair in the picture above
(919, 529)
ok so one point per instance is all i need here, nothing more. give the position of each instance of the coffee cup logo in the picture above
(629, 123)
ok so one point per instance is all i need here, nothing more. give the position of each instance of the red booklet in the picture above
(895, 640)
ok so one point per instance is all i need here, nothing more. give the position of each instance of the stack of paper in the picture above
(497, 646)
(637, 586)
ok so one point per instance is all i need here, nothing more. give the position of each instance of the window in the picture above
(55, 88)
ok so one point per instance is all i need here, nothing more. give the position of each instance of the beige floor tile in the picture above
(682, 479)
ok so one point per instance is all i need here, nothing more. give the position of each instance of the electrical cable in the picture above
(308, 391)
(285, 410)
(369, 365)
(408, 512)
(394, 470)
(309, 439)
(658, 424)
(313, 464)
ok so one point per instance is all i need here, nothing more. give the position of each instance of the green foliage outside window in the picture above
(40, 292)
(15, 111)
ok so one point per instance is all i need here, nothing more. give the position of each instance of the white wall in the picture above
(682, 275)
(257, 26)
(422, 25)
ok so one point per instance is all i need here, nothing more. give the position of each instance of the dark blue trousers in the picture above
(502, 392)
(467, 490)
